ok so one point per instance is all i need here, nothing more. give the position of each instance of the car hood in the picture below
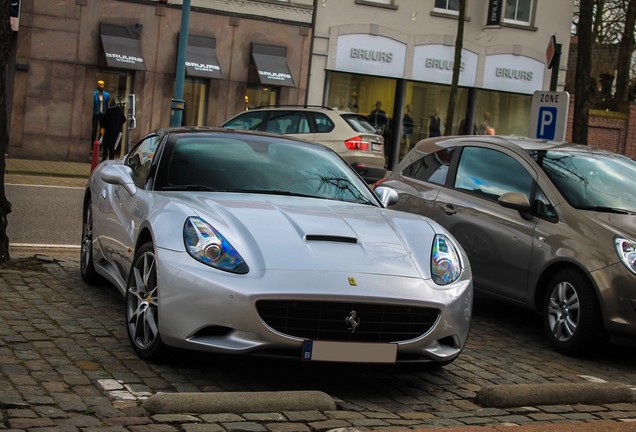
(279, 232)
(618, 224)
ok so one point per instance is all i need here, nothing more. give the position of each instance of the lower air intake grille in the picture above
(321, 320)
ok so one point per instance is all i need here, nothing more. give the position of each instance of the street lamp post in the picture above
(178, 104)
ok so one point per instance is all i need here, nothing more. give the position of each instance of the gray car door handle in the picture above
(449, 210)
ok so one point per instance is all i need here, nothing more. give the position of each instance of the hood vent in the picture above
(331, 238)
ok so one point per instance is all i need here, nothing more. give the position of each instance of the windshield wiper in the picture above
(275, 192)
(606, 209)
(191, 187)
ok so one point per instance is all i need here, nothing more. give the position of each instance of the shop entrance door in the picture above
(118, 84)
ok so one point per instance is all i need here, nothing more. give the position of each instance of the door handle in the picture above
(449, 209)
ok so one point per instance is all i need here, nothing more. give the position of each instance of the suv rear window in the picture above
(323, 123)
(359, 123)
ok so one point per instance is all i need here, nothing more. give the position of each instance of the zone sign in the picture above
(549, 115)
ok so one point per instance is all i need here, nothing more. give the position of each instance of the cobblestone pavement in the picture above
(66, 365)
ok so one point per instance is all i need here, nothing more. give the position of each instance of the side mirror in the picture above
(119, 175)
(516, 201)
(387, 195)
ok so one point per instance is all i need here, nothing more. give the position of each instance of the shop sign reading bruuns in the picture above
(434, 63)
(120, 58)
(201, 60)
(277, 76)
(122, 48)
(203, 67)
(386, 58)
(366, 54)
(494, 12)
(513, 73)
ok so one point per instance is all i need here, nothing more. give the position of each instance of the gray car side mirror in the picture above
(387, 195)
(119, 175)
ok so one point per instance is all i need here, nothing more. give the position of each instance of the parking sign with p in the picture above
(549, 115)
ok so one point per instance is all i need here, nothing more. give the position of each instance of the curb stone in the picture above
(516, 395)
(238, 402)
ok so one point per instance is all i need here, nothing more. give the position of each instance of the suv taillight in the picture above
(357, 143)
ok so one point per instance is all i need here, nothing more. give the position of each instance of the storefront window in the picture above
(518, 12)
(506, 113)
(428, 103)
(256, 96)
(195, 95)
(359, 93)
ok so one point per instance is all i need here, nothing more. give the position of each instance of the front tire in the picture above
(87, 265)
(142, 306)
(571, 313)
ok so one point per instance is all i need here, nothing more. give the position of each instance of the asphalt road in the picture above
(45, 211)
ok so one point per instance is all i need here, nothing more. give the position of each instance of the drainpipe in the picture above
(178, 104)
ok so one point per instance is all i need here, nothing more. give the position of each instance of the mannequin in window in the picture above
(100, 105)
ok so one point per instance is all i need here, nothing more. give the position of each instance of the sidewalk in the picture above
(47, 168)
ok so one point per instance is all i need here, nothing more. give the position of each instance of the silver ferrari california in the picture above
(240, 242)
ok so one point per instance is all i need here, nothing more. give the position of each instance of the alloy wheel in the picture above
(563, 311)
(142, 302)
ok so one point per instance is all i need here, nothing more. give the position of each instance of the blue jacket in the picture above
(96, 101)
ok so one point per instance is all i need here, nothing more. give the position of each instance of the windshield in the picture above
(259, 164)
(591, 181)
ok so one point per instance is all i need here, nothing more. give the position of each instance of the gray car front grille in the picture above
(323, 320)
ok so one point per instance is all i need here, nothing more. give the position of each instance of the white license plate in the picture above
(353, 352)
(376, 147)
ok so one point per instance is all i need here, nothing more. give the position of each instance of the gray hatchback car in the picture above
(548, 226)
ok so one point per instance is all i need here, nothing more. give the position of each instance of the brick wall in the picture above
(608, 132)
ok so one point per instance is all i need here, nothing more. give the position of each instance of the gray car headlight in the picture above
(626, 250)
(445, 261)
(207, 245)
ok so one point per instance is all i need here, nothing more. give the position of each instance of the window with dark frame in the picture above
(447, 6)
(379, 2)
(518, 12)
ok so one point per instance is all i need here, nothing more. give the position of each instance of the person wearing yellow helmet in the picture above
(100, 105)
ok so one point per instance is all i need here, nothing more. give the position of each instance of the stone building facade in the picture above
(63, 47)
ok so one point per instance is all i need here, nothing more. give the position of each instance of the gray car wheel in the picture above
(142, 306)
(87, 267)
(572, 315)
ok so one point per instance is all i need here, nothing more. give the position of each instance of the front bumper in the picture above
(205, 309)
(617, 294)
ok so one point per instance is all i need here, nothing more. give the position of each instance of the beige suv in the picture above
(348, 134)
(548, 226)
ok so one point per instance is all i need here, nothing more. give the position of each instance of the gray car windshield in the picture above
(591, 181)
(258, 164)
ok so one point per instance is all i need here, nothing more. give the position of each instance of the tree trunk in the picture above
(5, 206)
(623, 65)
(459, 44)
(583, 72)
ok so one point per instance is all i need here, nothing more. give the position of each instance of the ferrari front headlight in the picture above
(445, 261)
(626, 250)
(207, 245)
